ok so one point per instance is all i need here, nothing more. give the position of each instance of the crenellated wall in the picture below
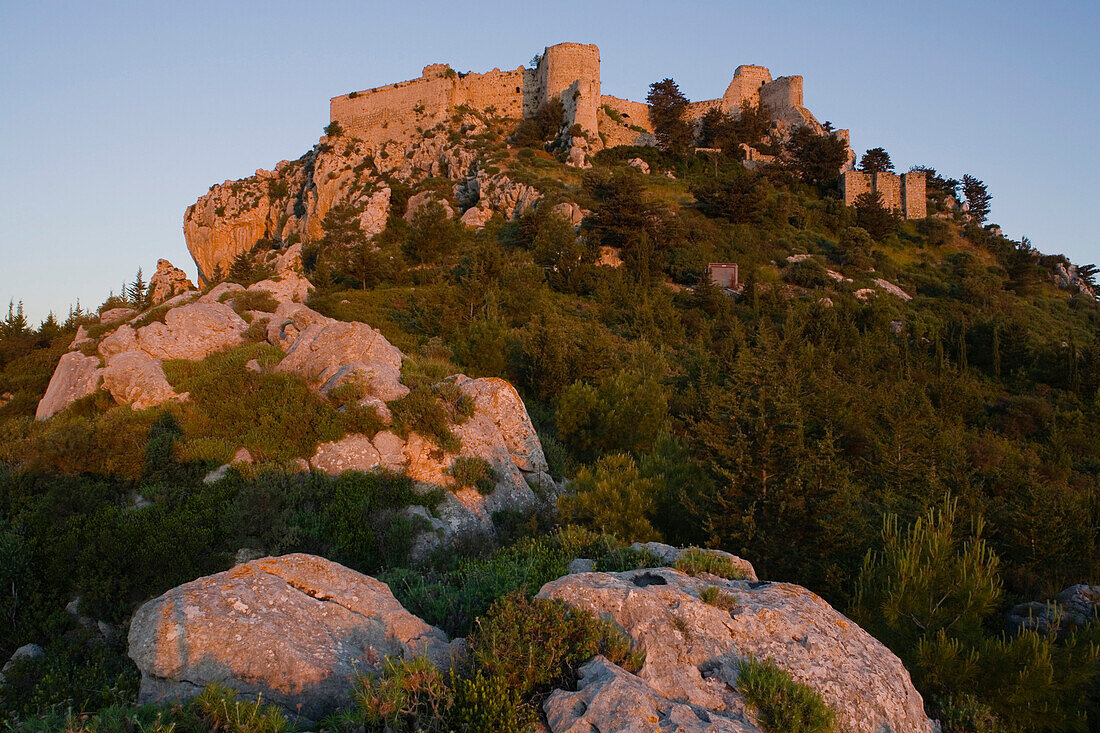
(569, 71)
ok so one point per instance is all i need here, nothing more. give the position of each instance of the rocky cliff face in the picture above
(289, 204)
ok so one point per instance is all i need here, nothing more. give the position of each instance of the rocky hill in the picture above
(420, 449)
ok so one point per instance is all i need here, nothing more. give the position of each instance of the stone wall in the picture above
(913, 192)
(571, 71)
(746, 83)
(386, 113)
(904, 194)
(888, 186)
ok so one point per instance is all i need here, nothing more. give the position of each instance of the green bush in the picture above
(614, 498)
(275, 416)
(780, 704)
(410, 695)
(537, 645)
(695, 561)
(471, 471)
(243, 301)
(488, 704)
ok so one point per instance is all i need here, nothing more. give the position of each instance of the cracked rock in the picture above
(297, 629)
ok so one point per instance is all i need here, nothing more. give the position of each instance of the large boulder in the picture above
(76, 376)
(327, 352)
(137, 379)
(1075, 606)
(693, 648)
(193, 332)
(297, 629)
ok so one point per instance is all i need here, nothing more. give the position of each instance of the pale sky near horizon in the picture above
(116, 116)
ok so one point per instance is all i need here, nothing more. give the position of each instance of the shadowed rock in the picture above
(298, 629)
(693, 648)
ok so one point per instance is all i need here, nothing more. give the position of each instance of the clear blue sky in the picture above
(115, 116)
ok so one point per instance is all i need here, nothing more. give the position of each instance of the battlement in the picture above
(904, 194)
(566, 71)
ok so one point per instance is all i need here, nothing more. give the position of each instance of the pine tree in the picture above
(977, 198)
(667, 106)
(16, 322)
(137, 291)
(876, 160)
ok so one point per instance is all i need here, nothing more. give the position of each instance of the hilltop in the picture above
(533, 403)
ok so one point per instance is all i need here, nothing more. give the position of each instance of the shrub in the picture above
(227, 402)
(782, 705)
(807, 274)
(694, 561)
(487, 704)
(471, 471)
(243, 301)
(536, 645)
(220, 710)
(409, 695)
(715, 596)
(334, 129)
(613, 498)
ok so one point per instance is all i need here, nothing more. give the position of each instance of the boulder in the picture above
(608, 698)
(297, 629)
(569, 211)
(693, 648)
(353, 452)
(327, 352)
(639, 164)
(114, 315)
(137, 379)
(289, 287)
(81, 339)
(669, 555)
(193, 332)
(215, 293)
(76, 376)
(477, 217)
(168, 281)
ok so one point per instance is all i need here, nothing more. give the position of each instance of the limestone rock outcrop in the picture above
(192, 332)
(76, 376)
(610, 699)
(168, 281)
(693, 648)
(298, 629)
(137, 379)
(327, 352)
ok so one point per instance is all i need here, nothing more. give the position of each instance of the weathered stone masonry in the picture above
(904, 194)
(568, 71)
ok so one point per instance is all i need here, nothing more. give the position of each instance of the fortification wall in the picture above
(913, 188)
(888, 186)
(786, 91)
(571, 71)
(385, 113)
(904, 194)
(633, 113)
(854, 184)
(746, 83)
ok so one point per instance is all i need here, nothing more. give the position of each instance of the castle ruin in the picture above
(567, 71)
(904, 194)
